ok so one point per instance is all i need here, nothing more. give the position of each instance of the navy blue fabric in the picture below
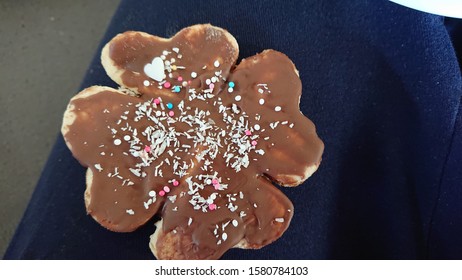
(382, 84)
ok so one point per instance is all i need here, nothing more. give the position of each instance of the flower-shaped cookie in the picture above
(194, 137)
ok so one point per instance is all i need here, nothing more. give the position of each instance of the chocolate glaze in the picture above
(250, 207)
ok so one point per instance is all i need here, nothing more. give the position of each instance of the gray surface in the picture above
(45, 48)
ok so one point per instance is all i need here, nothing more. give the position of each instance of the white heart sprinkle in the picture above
(155, 70)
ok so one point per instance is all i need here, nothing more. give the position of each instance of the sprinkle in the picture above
(254, 143)
(248, 132)
(208, 81)
(171, 113)
(237, 98)
(161, 193)
(146, 83)
(180, 79)
(256, 127)
(174, 67)
(152, 193)
(190, 221)
(212, 206)
(279, 220)
(231, 84)
(166, 189)
(224, 236)
(98, 166)
(216, 63)
(235, 223)
(176, 89)
(214, 181)
(212, 86)
(147, 149)
(157, 101)
(170, 106)
(176, 50)
(176, 183)
(167, 85)
(127, 137)
(261, 101)
(260, 90)
(117, 142)
(130, 212)
(277, 108)
(193, 75)
(230, 89)
(208, 181)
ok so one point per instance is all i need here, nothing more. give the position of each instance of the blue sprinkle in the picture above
(170, 105)
(231, 84)
(176, 89)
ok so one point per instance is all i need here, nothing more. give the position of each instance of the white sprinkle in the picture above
(98, 166)
(146, 83)
(260, 90)
(208, 181)
(279, 220)
(193, 75)
(216, 63)
(127, 137)
(130, 212)
(190, 221)
(208, 81)
(214, 79)
(152, 193)
(255, 205)
(261, 101)
(224, 236)
(277, 108)
(176, 50)
(117, 142)
(230, 89)
(238, 98)
(256, 127)
(235, 223)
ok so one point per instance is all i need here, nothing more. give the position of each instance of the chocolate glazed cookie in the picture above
(192, 136)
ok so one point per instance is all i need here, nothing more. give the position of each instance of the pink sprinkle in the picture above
(157, 101)
(212, 206)
(214, 181)
(167, 85)
(161, 193)
(211, 86)
(176, 183)
(189, 82)
(166, 189)
(248, 133)
(180, 79)
(254, 143)
(217, 186)
(171, 113)
(147, 149)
